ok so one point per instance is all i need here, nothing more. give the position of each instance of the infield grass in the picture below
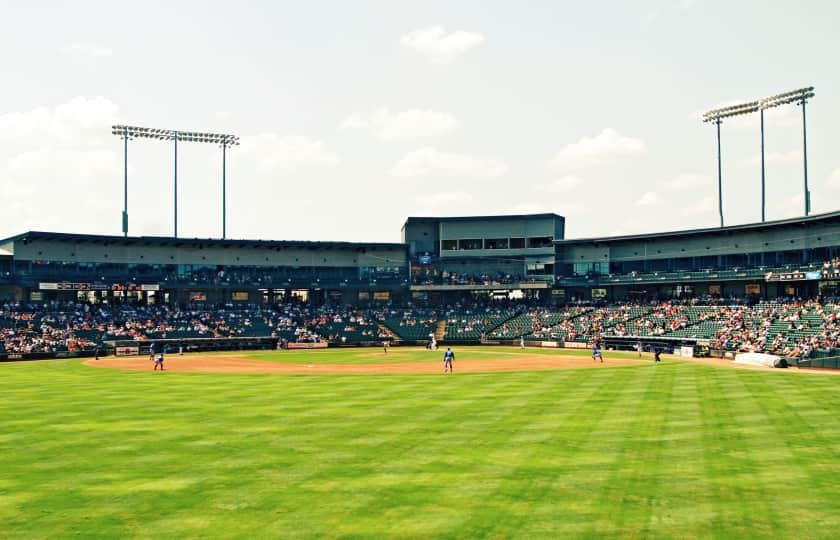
(676, 450)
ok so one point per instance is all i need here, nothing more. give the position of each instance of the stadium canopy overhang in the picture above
(833, 217)
(197, 242)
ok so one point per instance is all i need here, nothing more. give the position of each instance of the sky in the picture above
(354, 115)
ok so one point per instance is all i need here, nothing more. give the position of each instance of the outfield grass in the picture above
(673, 450)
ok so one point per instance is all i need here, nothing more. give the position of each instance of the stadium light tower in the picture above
(799, 97)
(125, 134)
(135, 132)
(225, 141)
(716, 116)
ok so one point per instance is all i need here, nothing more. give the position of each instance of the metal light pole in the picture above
(224, 193)
(125, 186)
(175, 138)
(131, 132)
(124, 133)
(798, 97)
(805, 158)
(225, 141)
(761, 112)
(720, 173)
(716, 116)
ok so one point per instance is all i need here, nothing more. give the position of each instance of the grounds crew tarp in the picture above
(760, 359)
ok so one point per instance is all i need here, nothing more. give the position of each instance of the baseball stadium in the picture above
(486, 370)
(301, 389)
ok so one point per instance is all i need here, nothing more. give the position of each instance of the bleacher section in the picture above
(348, 332)
(469, 327)
(411, 327)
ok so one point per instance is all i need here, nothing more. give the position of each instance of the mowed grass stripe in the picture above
(442, 468)
(636, 485)
(526, 460)
(605, 449)
(674, 450)
(735, 431)
(807, 439)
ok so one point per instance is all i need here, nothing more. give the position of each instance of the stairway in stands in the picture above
(440, 330)
(387, 333)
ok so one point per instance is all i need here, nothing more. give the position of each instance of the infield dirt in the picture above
(235, 363)
(242, 363)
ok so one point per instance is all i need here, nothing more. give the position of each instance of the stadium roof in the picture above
(415, 219)
(169, 241)
(710, 230)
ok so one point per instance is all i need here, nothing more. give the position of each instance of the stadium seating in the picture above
(793, 329)
(471, 327)
(410, 327)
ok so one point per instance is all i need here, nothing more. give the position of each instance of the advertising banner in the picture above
(319, 345)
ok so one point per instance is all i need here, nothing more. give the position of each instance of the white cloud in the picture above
(798, 200)
(789, 116)
(787, 205)
(77, 163)
(444, 199)
(688, 180)
(430, 162)
(774, 158)
(589, 151)
(561, 185)
(702, 206)
(410, 124)
(834, 178)
(439, 47)
(526, 208)
(68, 142)
(563, 209)
(58, 152)
(65, 122)
(649, 198)
(650, 17)
(94, 51)
(269, 151)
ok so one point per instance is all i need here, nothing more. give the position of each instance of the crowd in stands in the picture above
(832, 266)
(433, 276)
(211, 275)
(792, 328)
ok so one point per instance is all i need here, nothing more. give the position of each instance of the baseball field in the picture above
(522, 444)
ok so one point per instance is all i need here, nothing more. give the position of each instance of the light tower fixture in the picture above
(798, 97)
(716, 117)
(136, 132)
